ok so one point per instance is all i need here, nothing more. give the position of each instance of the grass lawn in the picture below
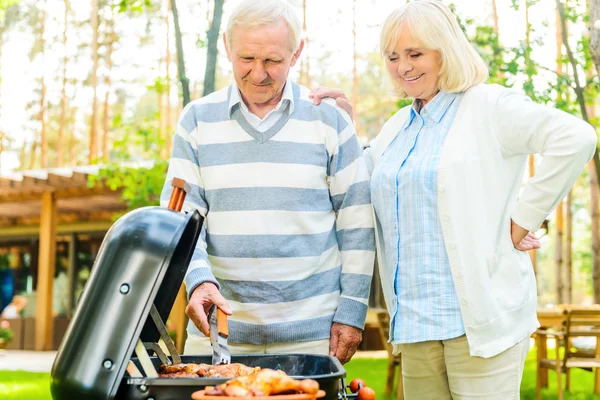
(19, 385)
(24, 385)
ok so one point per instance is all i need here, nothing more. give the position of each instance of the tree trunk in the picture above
(42, 115)
(532, 253)
(496, 25)
(1, 45)
(212, 52)
(167, 91)
(594, 7)
(43, 136)
(578, 89)
(162, 132)
(23, 156)
(569, 247)
(496, 28)
(73, 140)
(559, 45)
(185, 82)
(594, 199)
(305, 63)
(558, 258)
(160, 90)
(33, 151)
(63, 100)
(93, 155)
(40, 134)
(107, 81)
(527, 27)
(528, 63)
(558, 239)
(595, 213)
(355, 82)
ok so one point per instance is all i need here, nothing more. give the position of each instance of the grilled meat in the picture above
(183, 370)
(266, 382)
(230, 371)
(205, 370)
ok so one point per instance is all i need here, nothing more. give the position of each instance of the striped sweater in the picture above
(288, 235)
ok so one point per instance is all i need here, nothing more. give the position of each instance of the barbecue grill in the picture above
(110, 349)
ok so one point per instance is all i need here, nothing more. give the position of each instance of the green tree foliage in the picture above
(135, 167)
(4, 4)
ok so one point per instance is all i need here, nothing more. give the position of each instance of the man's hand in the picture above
(318, 93)
(523, 239)
(344, 341)
(201, 300)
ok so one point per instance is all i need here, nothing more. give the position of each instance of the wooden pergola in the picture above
(44, 202)
(55, 201)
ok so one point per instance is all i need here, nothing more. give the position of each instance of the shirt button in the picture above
(446, 217)
(452, 245)
(442, 189)
(463, 302)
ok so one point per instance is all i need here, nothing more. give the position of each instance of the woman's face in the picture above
(415, 68)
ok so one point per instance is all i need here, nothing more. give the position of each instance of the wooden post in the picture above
(71, 273)
(46, 266)
(177, 315)
(178, 318)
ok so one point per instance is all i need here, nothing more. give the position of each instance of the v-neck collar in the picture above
(262, 137)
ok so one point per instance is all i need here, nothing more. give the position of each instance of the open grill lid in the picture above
(141, 263)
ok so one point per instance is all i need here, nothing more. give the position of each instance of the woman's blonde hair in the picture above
(432, 24)
(253, 13)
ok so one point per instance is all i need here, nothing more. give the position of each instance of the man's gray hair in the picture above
(255, 13)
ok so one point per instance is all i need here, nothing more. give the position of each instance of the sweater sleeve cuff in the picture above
(528, 217)
(197, 277)
(351, 312)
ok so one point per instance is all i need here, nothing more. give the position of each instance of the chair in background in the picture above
(577, 323)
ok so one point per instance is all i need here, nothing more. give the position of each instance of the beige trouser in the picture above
(196, 344)
(444, 369)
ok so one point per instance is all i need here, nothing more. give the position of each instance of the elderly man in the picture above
(288, 244)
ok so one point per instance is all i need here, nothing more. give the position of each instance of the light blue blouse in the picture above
(404, 195)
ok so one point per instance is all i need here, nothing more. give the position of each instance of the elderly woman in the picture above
(452, 226)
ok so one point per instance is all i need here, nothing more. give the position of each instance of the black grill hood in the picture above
(142, 260)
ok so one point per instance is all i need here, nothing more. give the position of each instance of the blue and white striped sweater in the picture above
(289, 231)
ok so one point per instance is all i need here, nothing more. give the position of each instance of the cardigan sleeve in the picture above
(566, 143)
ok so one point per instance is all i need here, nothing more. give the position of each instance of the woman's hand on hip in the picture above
(522, 239)
(320, 92)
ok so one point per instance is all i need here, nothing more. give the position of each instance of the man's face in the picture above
(261, 59)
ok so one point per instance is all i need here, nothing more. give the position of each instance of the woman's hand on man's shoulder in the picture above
(320, 92)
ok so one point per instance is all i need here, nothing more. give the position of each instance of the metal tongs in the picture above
(219, 332)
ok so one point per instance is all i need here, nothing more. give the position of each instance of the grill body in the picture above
(326, 370)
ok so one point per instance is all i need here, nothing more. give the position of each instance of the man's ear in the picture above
(296, 55)
(227, 50)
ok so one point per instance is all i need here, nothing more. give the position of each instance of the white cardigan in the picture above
(479, 178)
